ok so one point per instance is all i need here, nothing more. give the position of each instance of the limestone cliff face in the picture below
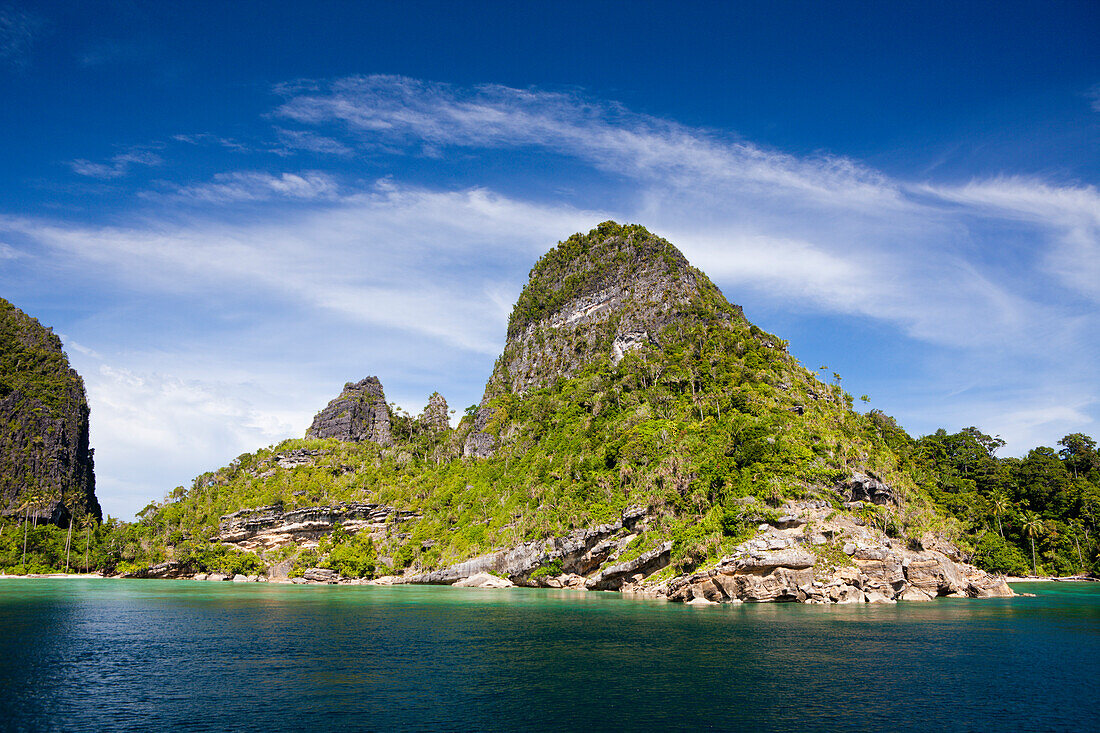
(601, 294)
(271, 527)
(360, 413)
(46, 464)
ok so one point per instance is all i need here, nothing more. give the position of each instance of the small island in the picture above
(638, 434)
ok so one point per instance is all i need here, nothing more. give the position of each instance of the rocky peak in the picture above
(46, 465)
(601, 294)
(360, 413)
(436, 415)
(606, 292)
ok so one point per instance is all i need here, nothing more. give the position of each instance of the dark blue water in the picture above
(184, 655)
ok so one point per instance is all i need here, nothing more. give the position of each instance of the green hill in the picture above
(637, 433)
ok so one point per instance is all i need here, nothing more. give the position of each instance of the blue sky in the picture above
(227, 210)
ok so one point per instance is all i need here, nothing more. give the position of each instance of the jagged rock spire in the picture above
(360, 413)
(436, 415)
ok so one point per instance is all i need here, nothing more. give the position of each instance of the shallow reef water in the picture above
(186, 655)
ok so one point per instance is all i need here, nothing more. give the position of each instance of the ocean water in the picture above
(93, 655)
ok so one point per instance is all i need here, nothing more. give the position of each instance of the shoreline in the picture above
(296, 581)
(56, 576)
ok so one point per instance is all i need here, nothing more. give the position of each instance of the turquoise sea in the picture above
(93, 655)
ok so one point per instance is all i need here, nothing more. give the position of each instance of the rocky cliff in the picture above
(601, 294)
(817, 555)
(46, 465)
(273, 526)
(359, 413)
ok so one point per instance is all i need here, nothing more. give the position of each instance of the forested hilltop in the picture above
(637, 432)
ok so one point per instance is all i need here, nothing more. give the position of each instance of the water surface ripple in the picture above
(182, 655)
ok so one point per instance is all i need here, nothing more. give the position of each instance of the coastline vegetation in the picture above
(707, 441)
(710, 428)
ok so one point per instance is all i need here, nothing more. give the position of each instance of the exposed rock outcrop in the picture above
(580, 553)
(271, 526)
(861, 487)
(636, 569)
(484, 580)
(360, 413)
(833, 561)
(321, 575)
(436, 415)
(607, 292)
(46, 465)
(801, 557)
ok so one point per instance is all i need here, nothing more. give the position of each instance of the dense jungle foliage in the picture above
(31, 359)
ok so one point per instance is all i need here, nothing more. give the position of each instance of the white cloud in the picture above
(1026, 420)
(1070, 213)
(205, 138)
(153, 431)
(118, 166)
(404, 259)
(240, 186)
(304, 140)
(1094, 97)
(398, 111)
(823, 231)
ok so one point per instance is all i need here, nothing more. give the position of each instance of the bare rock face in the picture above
(360, 413)
(479, 443)
(46, 465)
(578, 554)
(602, 294)
(270, 527)
(861, 487)
(484, 580)
(614, 577)
(436, 415)
(794, 563)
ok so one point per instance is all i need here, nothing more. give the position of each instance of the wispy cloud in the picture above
(205, 138)
(824, 230)
(304, 140)
(117, 167)
(107, 51)
(395, 258)
(398, 111)
(242, 186)
(18, 30)
(1071, 214)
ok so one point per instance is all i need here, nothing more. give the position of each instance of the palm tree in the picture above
(39, 498)
(1033, 527)
(999, 504)
(68, 541)
(87, 521)
(26, 507)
